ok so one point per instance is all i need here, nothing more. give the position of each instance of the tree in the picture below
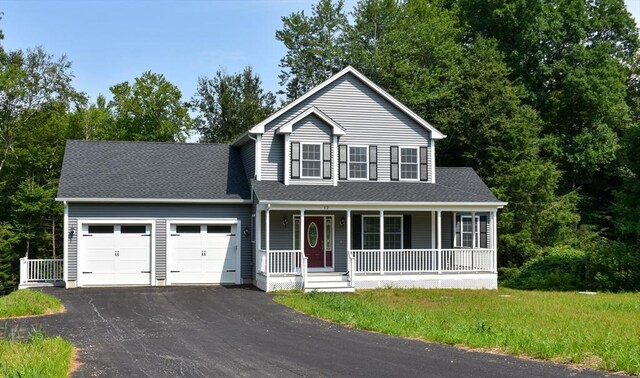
(228, 105)
(31, 81)
(149, 110)
(315, 47)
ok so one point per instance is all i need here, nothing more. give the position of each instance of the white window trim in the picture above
(378, 217)
(319, 177)
(349, 162)
(474, 228)
(417, 149)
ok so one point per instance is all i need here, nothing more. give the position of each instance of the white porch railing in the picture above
(423, 260)
(282, 263)
(34, 272)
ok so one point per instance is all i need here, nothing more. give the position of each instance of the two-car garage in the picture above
(123, 253)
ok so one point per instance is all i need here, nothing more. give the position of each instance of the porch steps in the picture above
(329, 282)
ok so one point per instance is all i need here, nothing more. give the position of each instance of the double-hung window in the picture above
(466, 231)
(358, 162)
(408, 163)
(392, 232)
(311, 161)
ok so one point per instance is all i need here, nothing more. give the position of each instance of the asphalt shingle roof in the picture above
(452, 185)
(149, 170)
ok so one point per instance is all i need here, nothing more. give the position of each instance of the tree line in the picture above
(540, 97)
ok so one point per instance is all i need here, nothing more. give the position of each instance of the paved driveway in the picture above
(217, 331)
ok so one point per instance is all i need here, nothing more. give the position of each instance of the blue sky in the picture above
(113, 41)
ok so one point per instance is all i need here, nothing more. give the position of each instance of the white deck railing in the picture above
(285, 262)
(423, 260)
(40, 271)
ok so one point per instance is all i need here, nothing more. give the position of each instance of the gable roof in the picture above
(288, 127)
(453, 186)
(103, 171)
(435, 133)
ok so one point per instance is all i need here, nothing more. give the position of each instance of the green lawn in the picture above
(28, 302)
(38, 356)
(600, 331)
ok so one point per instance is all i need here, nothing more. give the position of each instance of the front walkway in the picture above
(216, 331)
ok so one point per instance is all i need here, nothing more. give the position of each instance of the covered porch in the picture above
(343, 248)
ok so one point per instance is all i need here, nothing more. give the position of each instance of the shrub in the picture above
(557, 268)
(614, 266)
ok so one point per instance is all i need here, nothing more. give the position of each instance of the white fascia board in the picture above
(287, 128)
(435, 133)
(154, 200)
(376, 205)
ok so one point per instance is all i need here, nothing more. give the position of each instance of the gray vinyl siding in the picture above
(72, 257)
(312, 129)
(447, 229)
(367, 117)
(281, 237)
(420, 230)
(272, 151)
(248, 152)
(159, 213)
(161, 249)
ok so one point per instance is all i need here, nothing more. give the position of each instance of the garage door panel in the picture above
(114, 258)
(189, 265)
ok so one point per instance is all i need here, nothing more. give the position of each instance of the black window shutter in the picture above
(295, 160)
(342, 162)
(406, 231)
(424, 175)
(356, 231)
(483, 231)
(395, 175)
(373, 163)
(458, 241)
(326, 160)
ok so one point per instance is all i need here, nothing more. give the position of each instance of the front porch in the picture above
(360, 248)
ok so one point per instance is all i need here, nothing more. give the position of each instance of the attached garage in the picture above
(114, 254)
(203, 253)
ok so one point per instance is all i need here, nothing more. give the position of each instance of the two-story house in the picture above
(335, 191)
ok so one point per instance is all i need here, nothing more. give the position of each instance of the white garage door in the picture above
(202, 254)
(115, 254)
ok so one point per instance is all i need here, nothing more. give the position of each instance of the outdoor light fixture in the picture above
(342, 221)
(285, 220)
(245, 232)
(71, 232)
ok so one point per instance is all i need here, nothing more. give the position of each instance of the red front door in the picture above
(314, 241)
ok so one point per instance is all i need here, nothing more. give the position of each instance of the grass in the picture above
(38, 356)
(28, 302)
(599, 331)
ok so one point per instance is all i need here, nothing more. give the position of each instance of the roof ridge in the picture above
(148, 142)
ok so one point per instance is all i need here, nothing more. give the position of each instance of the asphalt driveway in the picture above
(217, 331)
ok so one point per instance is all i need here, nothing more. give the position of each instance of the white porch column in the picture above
(439, 232)
(65, 245)
(302, 236)
(473, 230)
(348, 231)
(494, 238)
(381, 241)
(433, 230)
(267, 229)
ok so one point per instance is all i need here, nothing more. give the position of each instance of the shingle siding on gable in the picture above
(312, 130)
(366, 116)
